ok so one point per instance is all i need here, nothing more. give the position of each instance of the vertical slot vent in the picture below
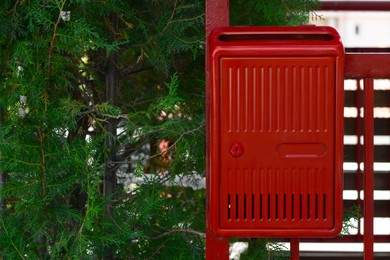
(324, 212)
(244, 206)
(274, 207)
(285, 206)
(236, 206)
(229, 206)
(316, 209)
(269, 206)
(253, 207)
(300, 207)
(261, 206)
(292, 207)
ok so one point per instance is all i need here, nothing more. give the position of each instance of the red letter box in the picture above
(276, 131)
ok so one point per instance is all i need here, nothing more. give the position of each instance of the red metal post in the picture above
(217, 248)
(217, 14)
(359, 148)
(294, 248)
(369, 169)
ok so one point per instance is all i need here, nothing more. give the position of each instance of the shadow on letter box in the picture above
(276, 131)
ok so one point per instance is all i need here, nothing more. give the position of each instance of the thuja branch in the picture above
(79, 233)
(201, 234)
(187, 19)
(4, 228)
(171, 19)
(288, 10)
(130, 195)
(55, 33)
(23, 162)
(43, 162)
(14, 8)
(88, 215)
(182, 135)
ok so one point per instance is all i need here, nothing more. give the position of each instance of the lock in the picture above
(236, 150)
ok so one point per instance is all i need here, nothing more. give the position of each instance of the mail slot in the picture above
(276, 131)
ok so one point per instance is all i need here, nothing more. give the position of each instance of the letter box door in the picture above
(279, 152)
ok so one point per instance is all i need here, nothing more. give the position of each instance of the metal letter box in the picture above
(276, 131)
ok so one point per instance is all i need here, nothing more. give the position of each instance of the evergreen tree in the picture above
(92, 92)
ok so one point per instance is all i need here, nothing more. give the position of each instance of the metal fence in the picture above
(366, 147)
(366, 150)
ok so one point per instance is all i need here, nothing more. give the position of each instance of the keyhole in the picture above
(236, 149)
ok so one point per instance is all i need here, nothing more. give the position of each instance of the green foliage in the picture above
(259, 248)
(274, 12)
(85, 104)
(56, 121)
(350, 218)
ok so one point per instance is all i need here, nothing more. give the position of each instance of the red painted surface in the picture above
(294, 249)
(278, 93)
(355, 6)
(359, 65)
(217, 248)
(359, 145)
(369, 169)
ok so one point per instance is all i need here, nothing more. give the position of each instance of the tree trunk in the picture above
(3, 178)
(2, 200)
(112, 89)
